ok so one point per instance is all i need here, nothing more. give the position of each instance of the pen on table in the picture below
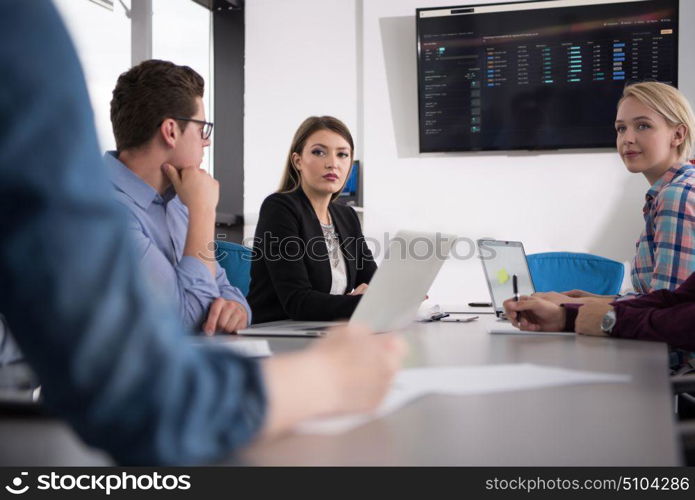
(438, 316)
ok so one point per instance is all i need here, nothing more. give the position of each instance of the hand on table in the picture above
(360, 365)
(537, 314)
(590, 317)
(348, 371)
(225, 316)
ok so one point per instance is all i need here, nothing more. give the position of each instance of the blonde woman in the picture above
(655, 131)
(654, 128)
(310, 258)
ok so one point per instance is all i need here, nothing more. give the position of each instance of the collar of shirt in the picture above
(132, 185)
(666, 179)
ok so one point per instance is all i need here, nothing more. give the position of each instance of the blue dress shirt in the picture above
(158, 225)
(113, 360)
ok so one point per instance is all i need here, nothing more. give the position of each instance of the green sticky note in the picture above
(502, 276)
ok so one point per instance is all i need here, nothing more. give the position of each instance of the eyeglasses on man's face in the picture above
(205, 132)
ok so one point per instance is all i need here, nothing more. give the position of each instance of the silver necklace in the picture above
(332, 242)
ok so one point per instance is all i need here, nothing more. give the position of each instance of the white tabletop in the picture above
(624, 424)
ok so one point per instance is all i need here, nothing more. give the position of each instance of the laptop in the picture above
(501, 261)
(395, 293)
(20, 392)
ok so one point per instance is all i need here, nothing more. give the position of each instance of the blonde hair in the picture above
(670, 103)
(291, 180)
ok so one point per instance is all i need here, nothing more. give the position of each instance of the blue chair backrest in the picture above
(235, 259)
(562, 271)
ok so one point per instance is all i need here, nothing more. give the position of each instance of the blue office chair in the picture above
(235, 259)
(561, 271)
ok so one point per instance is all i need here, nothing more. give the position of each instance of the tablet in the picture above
(501, 261)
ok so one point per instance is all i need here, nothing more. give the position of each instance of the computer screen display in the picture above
(536, 75)
(502, 260)
(351, 191)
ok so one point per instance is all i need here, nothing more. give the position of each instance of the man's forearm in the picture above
(672, 325)
(606, 299)
(201, 237)
(289, 379)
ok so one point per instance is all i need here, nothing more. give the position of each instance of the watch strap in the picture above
(571, 311)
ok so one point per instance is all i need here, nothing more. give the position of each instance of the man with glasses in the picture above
(159, 124)
(112, 362)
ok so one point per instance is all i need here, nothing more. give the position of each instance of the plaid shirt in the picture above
(666, 248)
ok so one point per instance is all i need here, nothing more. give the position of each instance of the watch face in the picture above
(608, 322)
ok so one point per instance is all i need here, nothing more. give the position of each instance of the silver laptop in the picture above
(394, 295)
(501, 261)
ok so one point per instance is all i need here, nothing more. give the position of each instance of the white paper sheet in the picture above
(416, 382)
(251, 348)
(506, 328)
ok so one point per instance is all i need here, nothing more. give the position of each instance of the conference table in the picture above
(597, 424)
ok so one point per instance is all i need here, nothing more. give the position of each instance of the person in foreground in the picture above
(310, 260)
(663, 316)
(655, 131)
(113, 359)
(159, 124)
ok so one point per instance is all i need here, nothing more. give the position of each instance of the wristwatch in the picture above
(608, 322)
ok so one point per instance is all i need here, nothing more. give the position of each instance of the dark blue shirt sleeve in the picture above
(112, 362)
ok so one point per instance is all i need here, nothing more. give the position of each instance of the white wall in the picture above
(182, 33)
(570, 200)
(301, 60)
(102, 41)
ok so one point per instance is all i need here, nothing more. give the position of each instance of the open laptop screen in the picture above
(502, 260)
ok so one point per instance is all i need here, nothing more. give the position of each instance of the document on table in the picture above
(506, 328)
(416, 382)
(250, 348)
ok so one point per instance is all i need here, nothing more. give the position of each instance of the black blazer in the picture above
(291, 270)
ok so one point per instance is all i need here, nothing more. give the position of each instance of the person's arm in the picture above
(558, 298)
(228, 313)
(588, 295)
(224, 307)
(188, 284)
(660, 299)
(673, 325)
(279, 229)
(674, 237)
(536, 314)
(201, 232)
(661, 316)
(200, 193)
(348, 372)
(113, 363)
(230, 292)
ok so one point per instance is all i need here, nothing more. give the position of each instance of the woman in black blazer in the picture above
(310, 259)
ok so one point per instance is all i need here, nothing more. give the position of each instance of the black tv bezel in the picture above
(607, 145)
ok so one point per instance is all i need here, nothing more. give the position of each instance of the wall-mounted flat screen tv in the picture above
(536, 75)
